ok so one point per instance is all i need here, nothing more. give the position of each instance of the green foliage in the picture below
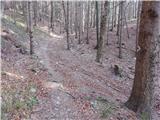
(144, 116)
(15, 100)
(107, 111)
(104, 106)
(33, 101)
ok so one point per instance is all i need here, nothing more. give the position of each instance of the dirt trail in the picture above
(60, 104)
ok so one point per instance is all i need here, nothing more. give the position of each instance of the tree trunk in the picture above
(66, 17)
(67, 26)
(35, 12)
(76, 20)
(121, 12)
(14, 14)
(108, 22)
(137, 27)
(115, 14)
(88, 22)
(51, 20)
(97, 24)
(30, 27)
(79, 23)
(112, 17)
(102, 32)
(70, 21)
(117, 33)
(148, 60)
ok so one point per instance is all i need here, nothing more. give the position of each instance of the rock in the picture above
(33, 70)
(116, 70)
(23, 50)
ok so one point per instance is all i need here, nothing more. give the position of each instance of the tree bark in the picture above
(97, 24)
(148, 60)
(79, 23)
(51, 20)
(137, 27)
(30, 28)
(66, 17)
(121, 12)
(76, 20)
(35, 12)
(102, 32)
(67, 26)
(88, 22)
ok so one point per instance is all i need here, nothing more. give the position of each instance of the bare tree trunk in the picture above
(66, 16)
(30, 28)
(118, 22)
(71, 12)
(112, 17)
(67, 26)
(115, 14)
(147, 62)
(79, 24)
(51, 20)
(102, 32)
(83, 17)
(2, 8)
(97, 24)
(137, 26)
(108, 10)
(94, 17)
(25, 5)
(120, 28)
(14, 14)
(125, 19)
(91, 18)
(35, 12)
(76, 20)
(88, 21)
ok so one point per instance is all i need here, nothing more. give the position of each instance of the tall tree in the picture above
(30, 27)
(121, 21)
(79, 22)
(67, 26)
(35, 12)
(137, 26)
(102, 32)
(51, 20)
(15, 11)
(97, 24)
(148, 60)
(66, 17)
(88, 9)
(76, 19)
(112, 25)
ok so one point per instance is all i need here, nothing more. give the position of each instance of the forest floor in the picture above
(70, 84)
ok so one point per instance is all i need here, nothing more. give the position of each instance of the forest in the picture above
(80, 60)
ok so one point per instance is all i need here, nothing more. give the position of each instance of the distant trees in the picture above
(83, 18)
(148, 60)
